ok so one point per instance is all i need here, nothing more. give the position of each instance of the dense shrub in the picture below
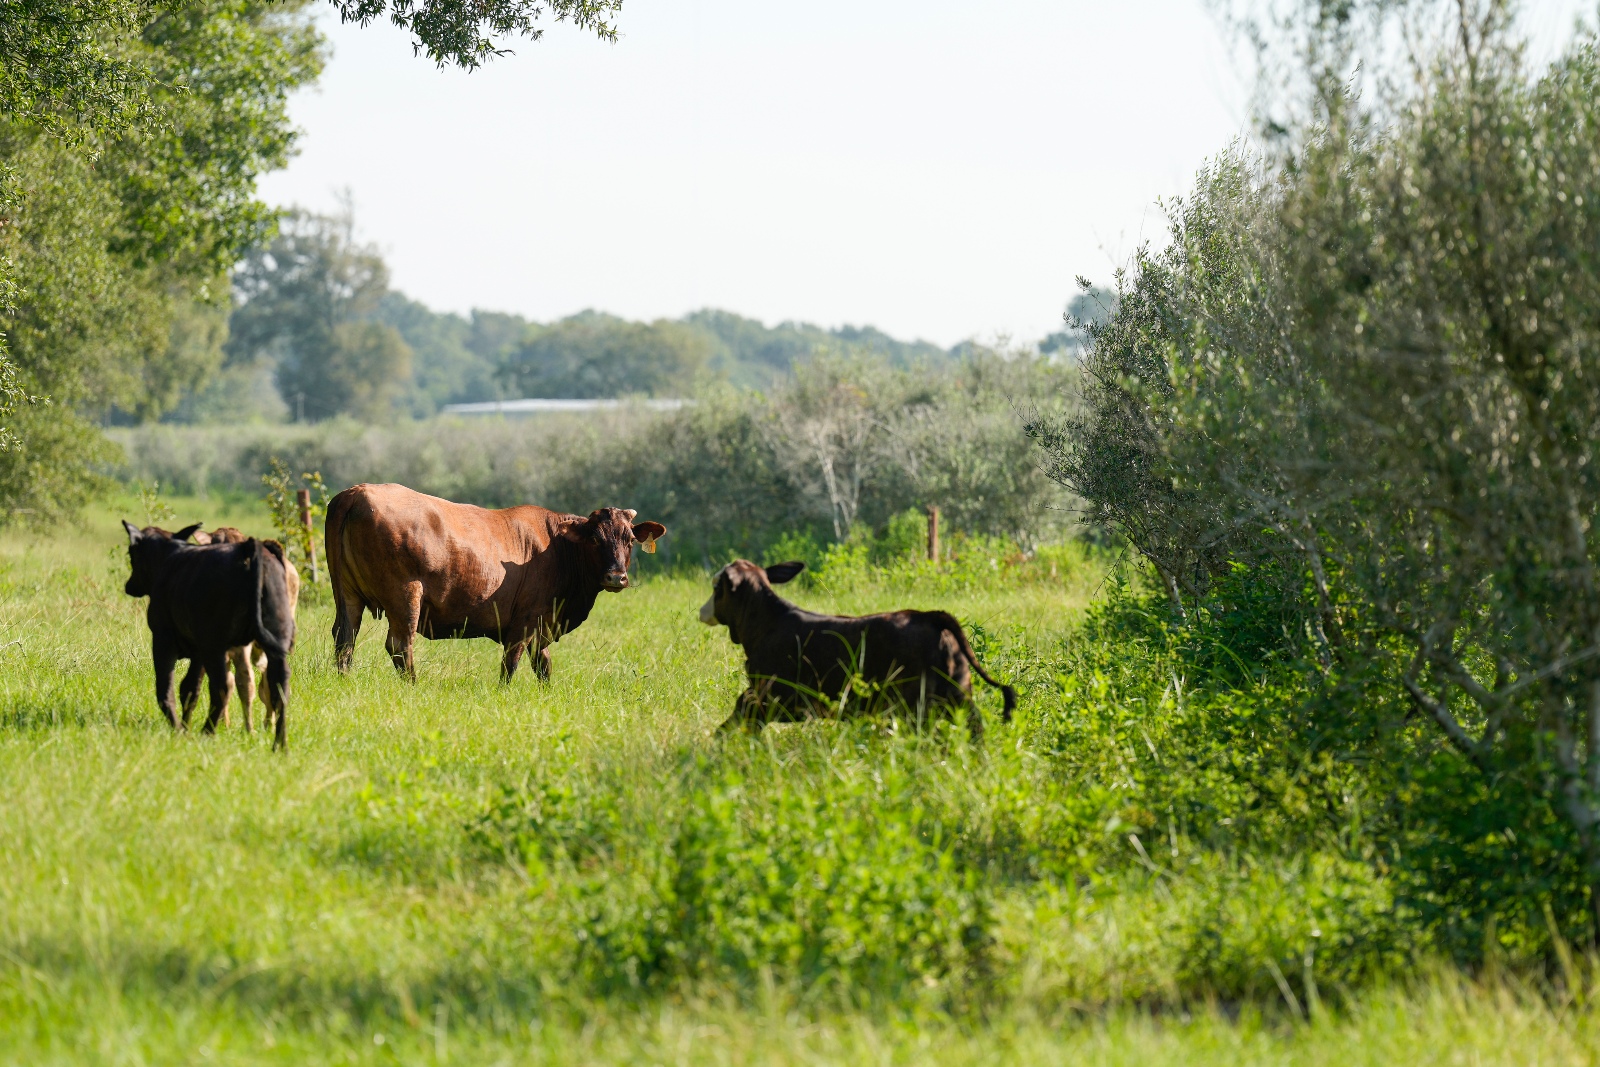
(727, 475)
(1362, 374)
(842, 886)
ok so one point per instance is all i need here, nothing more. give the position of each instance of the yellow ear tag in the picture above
(648, 546)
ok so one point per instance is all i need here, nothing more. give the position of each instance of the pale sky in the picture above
(940, 169)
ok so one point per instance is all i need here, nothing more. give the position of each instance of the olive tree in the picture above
(1371, 362)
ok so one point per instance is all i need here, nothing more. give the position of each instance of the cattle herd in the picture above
(523, 576)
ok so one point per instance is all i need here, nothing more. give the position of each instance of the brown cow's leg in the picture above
(189, 689)
(403, 632)
(165, 661)
(346, 628)
(221, 690)
(244, 681)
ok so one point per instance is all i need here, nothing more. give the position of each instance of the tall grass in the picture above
(456, 871)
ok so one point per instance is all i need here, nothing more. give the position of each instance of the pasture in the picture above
(456, 872)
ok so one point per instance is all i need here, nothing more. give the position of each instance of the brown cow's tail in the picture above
(344, 627)
(1007, 693)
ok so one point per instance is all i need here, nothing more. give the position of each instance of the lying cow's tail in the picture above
(1007, 693)
(274, 608)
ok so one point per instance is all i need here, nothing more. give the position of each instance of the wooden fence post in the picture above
(304, 497)
(933, 533)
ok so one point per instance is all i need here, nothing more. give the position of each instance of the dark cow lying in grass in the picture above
(522, 576)
(246, 661)
(205, 600)
(800, 663)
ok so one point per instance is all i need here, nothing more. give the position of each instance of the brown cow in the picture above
(245, 661)
(800, 663)
(523, 575)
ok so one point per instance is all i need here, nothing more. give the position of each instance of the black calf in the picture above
(799, 662)
(204, 600)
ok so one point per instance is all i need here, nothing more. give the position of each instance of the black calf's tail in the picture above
(1007, 693)
(274, 629)
(274, 613)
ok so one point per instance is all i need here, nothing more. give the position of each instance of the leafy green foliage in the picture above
(1362, 373)
(465, 34)
(593, 355)
(283, 503)
(839, 889)
(133, 138)
(302, 303)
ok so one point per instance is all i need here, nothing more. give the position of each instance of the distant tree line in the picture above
(316, 332)
(844, 444)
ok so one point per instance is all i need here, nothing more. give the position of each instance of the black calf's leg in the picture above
(216, 666)
(748, 714)
(278, 698)
(189, 688)
(541, 663)
(165, 661)
(513, 656)
(974, 720)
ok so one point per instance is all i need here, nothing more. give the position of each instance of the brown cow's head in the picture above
(606, 539)
(146, 549)
(736, 585)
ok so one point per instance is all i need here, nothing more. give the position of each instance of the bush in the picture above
(722, 475)
(842, 889)
(1361, 376)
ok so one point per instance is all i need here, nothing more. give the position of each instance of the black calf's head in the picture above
(737, 585)
(605, 541)
(146, 549)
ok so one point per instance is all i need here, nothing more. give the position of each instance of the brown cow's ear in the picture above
(187, 532)
(646, 534)
(133, 532)
(576, 531)
(779, 573)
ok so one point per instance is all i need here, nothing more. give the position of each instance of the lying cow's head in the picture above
(736, 586)
(606, 539)
(146, 549)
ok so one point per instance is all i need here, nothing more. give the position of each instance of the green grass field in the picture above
(457, 872)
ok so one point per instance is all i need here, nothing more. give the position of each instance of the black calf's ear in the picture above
(779, 573)
(133, 532)
(187, 532)
(647, 532)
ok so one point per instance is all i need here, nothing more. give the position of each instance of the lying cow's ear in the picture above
(779, 573)
(187, 532)
(646, 534)
(133, 532)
